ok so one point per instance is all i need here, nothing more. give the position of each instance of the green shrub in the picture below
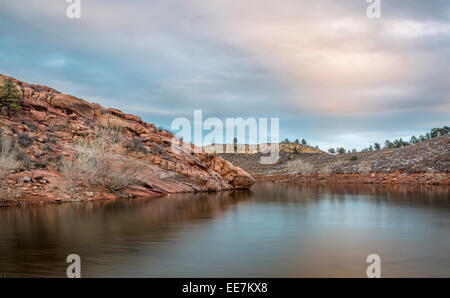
(9, 95)
(353, 158)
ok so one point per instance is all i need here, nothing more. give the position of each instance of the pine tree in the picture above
(9, 95)
(413, 140)
(341, 150)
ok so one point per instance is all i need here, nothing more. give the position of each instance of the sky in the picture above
(329, 73)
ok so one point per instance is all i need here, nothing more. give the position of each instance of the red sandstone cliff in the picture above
(49, 126)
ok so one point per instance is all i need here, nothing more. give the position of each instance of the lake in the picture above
(274, 230)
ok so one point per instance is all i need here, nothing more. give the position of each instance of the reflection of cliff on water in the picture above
(58, 230)
(156, 236)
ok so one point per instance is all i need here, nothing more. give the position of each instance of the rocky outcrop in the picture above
(50, 123)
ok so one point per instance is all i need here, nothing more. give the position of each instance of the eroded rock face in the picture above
(50, 123)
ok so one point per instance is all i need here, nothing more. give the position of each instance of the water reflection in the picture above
(273, 230)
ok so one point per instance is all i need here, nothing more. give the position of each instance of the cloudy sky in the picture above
(331, 74)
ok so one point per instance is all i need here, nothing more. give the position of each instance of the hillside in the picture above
(61, 148)
(253, 149)
(426, 162)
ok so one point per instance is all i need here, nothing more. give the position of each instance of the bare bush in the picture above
(8, 162)
(25, 140)
(108, 136)
(8, 156)
(95, 166)
(136, 145)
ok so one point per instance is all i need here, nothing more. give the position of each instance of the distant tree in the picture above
(440, 131)
(304, 142)
(332, 151)
(9, 95)
(413, 140)
(286, 141)
(341, 150)
(370, 148)
(397, 143)
(354, 150)
(297, 141)
(421, 138)
(434, 132)
(445, 130)
(348, 151)
(377, 146)
(388, 144)
(235, 142)
(317, 147)
(427, 136)
(365, 150)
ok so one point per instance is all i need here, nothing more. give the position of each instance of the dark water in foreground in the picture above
(273, 231)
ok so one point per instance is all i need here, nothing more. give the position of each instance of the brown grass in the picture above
(8, 162)
(95, 166)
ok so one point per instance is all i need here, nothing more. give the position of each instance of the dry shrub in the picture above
(136, 145)
(8, 156)
(95, 166)
(8, 162)
(109, 135)
(299, 166)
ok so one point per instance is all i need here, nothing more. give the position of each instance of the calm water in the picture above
(272, 231)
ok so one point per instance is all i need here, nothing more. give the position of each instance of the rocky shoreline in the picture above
(358, 178)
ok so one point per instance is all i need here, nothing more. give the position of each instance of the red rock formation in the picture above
(48, 117)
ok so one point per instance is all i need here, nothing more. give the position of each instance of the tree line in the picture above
(397, 143)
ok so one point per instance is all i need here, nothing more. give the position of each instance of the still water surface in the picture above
(272, 231)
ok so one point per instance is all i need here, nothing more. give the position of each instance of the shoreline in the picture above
(359, 178)
(395, 178)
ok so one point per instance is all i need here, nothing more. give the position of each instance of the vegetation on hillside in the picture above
(9, 95)
(397, 143)
(94, 166)
(9, 161)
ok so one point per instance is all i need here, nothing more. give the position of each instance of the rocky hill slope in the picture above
(59, 147)
(426, 162)
(253, 149)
